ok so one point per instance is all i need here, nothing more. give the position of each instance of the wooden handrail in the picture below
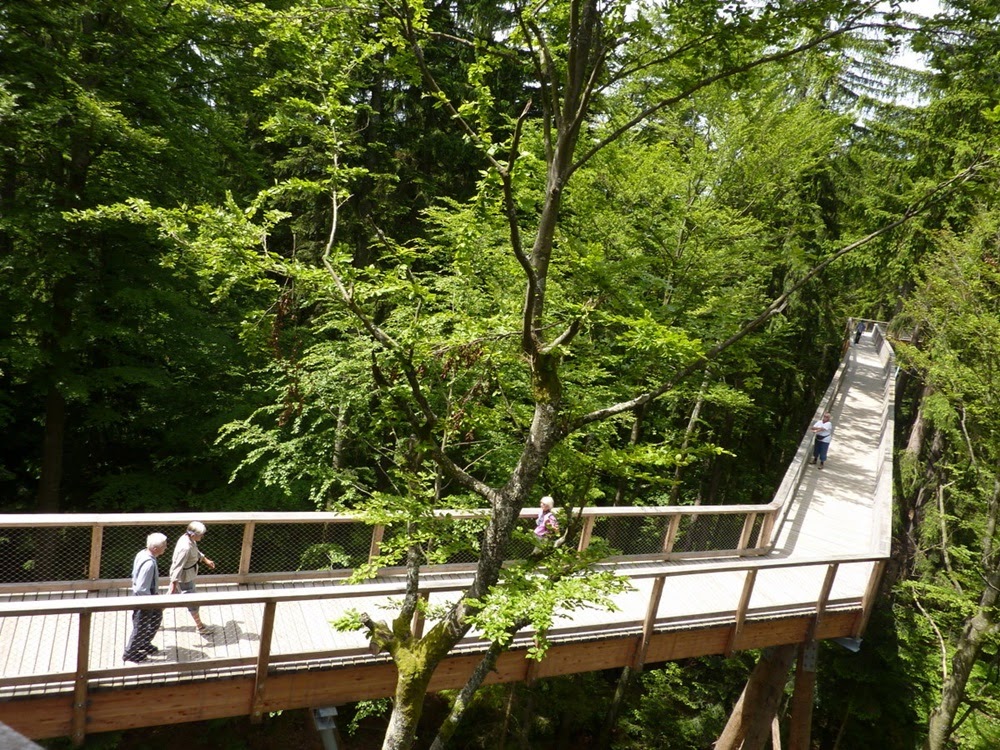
(362, 590)
(58, 520)
(252, 521)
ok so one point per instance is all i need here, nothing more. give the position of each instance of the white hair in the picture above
(196, 527)
(156, 539)
(547, 500)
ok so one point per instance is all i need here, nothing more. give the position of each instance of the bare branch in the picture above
(510, 208)
(410, 34)
(565, 337)
(941, 642)
(708, 81)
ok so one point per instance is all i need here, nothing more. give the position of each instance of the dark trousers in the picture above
(820, 449)
(857, 337)
(145, 623)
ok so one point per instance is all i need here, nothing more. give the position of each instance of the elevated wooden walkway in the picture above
(709, 580)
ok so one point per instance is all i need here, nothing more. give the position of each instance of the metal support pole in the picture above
(325, 721)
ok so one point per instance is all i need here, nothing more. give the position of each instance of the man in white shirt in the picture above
(823, 429)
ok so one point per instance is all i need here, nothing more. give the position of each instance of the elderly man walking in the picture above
(145, 577)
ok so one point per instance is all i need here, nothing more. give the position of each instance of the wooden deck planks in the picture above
(305, 627)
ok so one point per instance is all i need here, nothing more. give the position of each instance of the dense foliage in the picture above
(390, 257)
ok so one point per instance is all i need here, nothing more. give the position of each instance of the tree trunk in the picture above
(50, 478)
(976, 631)
(633, 440)
(675, 491)
(407, 706)
(611, 717)
(749, 724)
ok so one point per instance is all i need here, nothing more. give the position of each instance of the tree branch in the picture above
(464, 698)
(918, 207)
(709, 80)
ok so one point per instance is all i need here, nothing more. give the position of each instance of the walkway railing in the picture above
(95, 551)
(84, 612)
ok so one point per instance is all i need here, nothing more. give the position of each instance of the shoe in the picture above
(821, 466)
(137, 658)
(813, 461)
(150, 649)
(205, 630)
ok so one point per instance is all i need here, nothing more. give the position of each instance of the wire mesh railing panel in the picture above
(705, 533)
(50, 553)
(464, 541)
(120, 544)
(47, 553)
(221, 544)
(523, 541)
(446, 541)
(310, 546)
(632, 535)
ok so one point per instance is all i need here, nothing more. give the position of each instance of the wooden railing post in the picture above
(748, 523)
(867, 602)
(96, 542)
(263, 657)
(821, 601)
(741, 610)
(417, 624)
(79, 721)
(376, 546)
(246, 550)
(766, 527)
(671, 535)
(586, 532)
(648, 623)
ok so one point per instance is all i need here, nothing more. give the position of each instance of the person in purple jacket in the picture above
(546, 523)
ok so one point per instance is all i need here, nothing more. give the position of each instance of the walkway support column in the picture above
(749, 725)
(800, 727)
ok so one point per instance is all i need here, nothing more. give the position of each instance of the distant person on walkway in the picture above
(859, 330)
(184, 567)
(823, 430)
(546, 523)
(145, 578)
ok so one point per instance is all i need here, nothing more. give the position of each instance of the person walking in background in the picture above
(859, 330)
(546, 522)
(145, 579)
(184, 567)
(823, 429)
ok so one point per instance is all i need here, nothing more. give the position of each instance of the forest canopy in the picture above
(390, 257)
